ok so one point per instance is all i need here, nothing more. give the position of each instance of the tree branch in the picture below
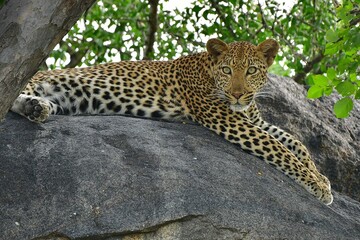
(75, 58)
(184, 43)
(299, 77)
(215, 5)
(335, 3)
(149, 42)
(280, 36)
(356, 20)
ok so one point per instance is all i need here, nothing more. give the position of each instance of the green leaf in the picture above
(335, 82)
(353, 77)
(233, 2)
(344, 64)
(343, 107)
(357, 95)
(331, 36)
(331, 73)
(197, 9)
(309, 80)
(315, 91)
(343, 12)
(328, 90)
(205, 14)
(320, 80)
(331, 49)
(345, 88)
(357, 82)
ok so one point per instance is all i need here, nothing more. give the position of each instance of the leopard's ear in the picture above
(269, 49)
(216, 47)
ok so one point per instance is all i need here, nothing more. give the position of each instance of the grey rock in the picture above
(333, 143)
(116, 177)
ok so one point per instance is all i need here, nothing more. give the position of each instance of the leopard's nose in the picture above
(236, 95)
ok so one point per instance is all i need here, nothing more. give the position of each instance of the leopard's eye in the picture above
(226, 70)
(251, 70)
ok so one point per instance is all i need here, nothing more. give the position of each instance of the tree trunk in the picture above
(29, 30)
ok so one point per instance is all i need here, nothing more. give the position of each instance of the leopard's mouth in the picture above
(237, 107)
(240, 105)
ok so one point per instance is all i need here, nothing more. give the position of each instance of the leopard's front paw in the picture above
(327, 197)
(311, 166)
(36, 110)
(321, 191)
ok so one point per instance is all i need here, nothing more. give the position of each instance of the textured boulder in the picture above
(114, 177)
(333, 143)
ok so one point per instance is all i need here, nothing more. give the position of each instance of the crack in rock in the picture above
(151, 229)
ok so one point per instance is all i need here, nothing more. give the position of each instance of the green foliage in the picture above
(106, 30)
(320, 87)
(343, 44)
(186, 31)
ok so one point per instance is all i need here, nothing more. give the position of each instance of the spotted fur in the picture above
(215, 88)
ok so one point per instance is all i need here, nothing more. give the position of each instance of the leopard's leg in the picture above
(289, 141)
(238, 129)
(36, 109)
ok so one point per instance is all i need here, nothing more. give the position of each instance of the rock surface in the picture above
(333, 143)
(114, 177)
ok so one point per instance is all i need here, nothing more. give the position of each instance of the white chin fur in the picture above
(238, 107)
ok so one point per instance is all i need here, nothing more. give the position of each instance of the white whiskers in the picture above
(264, 95)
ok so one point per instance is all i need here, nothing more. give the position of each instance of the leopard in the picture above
(215, 88)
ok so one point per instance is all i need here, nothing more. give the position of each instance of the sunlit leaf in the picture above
(345, 88)
(353, 77)
(343, 107)
(315, 91)
(328, 90)
(331, 35)
(331, 73)
(320, 80)
(331, 48)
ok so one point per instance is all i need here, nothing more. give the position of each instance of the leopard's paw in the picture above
(36, 109)
(327, 197)
(321, 191)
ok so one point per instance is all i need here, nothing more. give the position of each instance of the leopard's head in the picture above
(240, 69)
